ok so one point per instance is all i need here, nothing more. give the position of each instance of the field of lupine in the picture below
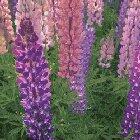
(69, 70)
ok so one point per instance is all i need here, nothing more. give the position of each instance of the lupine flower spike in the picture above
(122, 14)
(130, 38)
(95, 11)
(6, 21)
(106, 52)
(131, 120)
(12, 5)
(71, 34)
(77, 84)
(33, 81)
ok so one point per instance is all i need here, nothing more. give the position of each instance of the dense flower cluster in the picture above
(71, 34)
(48, 18)
(130, 38)
(131, 121)
(106, 52)
(41, 14)
(122, 14)
(77, 84)
(5, 19)
(33, 81)
(12, 5)
(95, 10)
(75, 41)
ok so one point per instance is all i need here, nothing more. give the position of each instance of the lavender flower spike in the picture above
(77, 84)
(33, 81)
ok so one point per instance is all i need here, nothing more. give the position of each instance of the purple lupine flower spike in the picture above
(33, 81)
(12, 5)
(131, 118)
(78, 83)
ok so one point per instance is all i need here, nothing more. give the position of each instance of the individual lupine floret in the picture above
(95, 11)
(130, 38)
(131, 120)
(34, 82)
(106, 52)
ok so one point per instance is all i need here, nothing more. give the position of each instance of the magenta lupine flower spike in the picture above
(106, 52)
(131, 120)
(33, 81)
(130, 38)
(95, 11)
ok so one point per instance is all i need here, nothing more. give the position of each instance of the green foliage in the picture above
(106, 97)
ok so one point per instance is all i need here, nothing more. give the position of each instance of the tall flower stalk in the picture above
(131, 120)
(75, 40)
(130, 38)
(107, 51)
(77, 84)
(71, 34)
(33, 81)
(6, 21)
(122, 14)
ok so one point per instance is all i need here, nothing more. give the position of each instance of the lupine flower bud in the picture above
(106, 52)
(6, 20)
(131, 120)
(33, 81)
(130, 38)
(95, 11)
